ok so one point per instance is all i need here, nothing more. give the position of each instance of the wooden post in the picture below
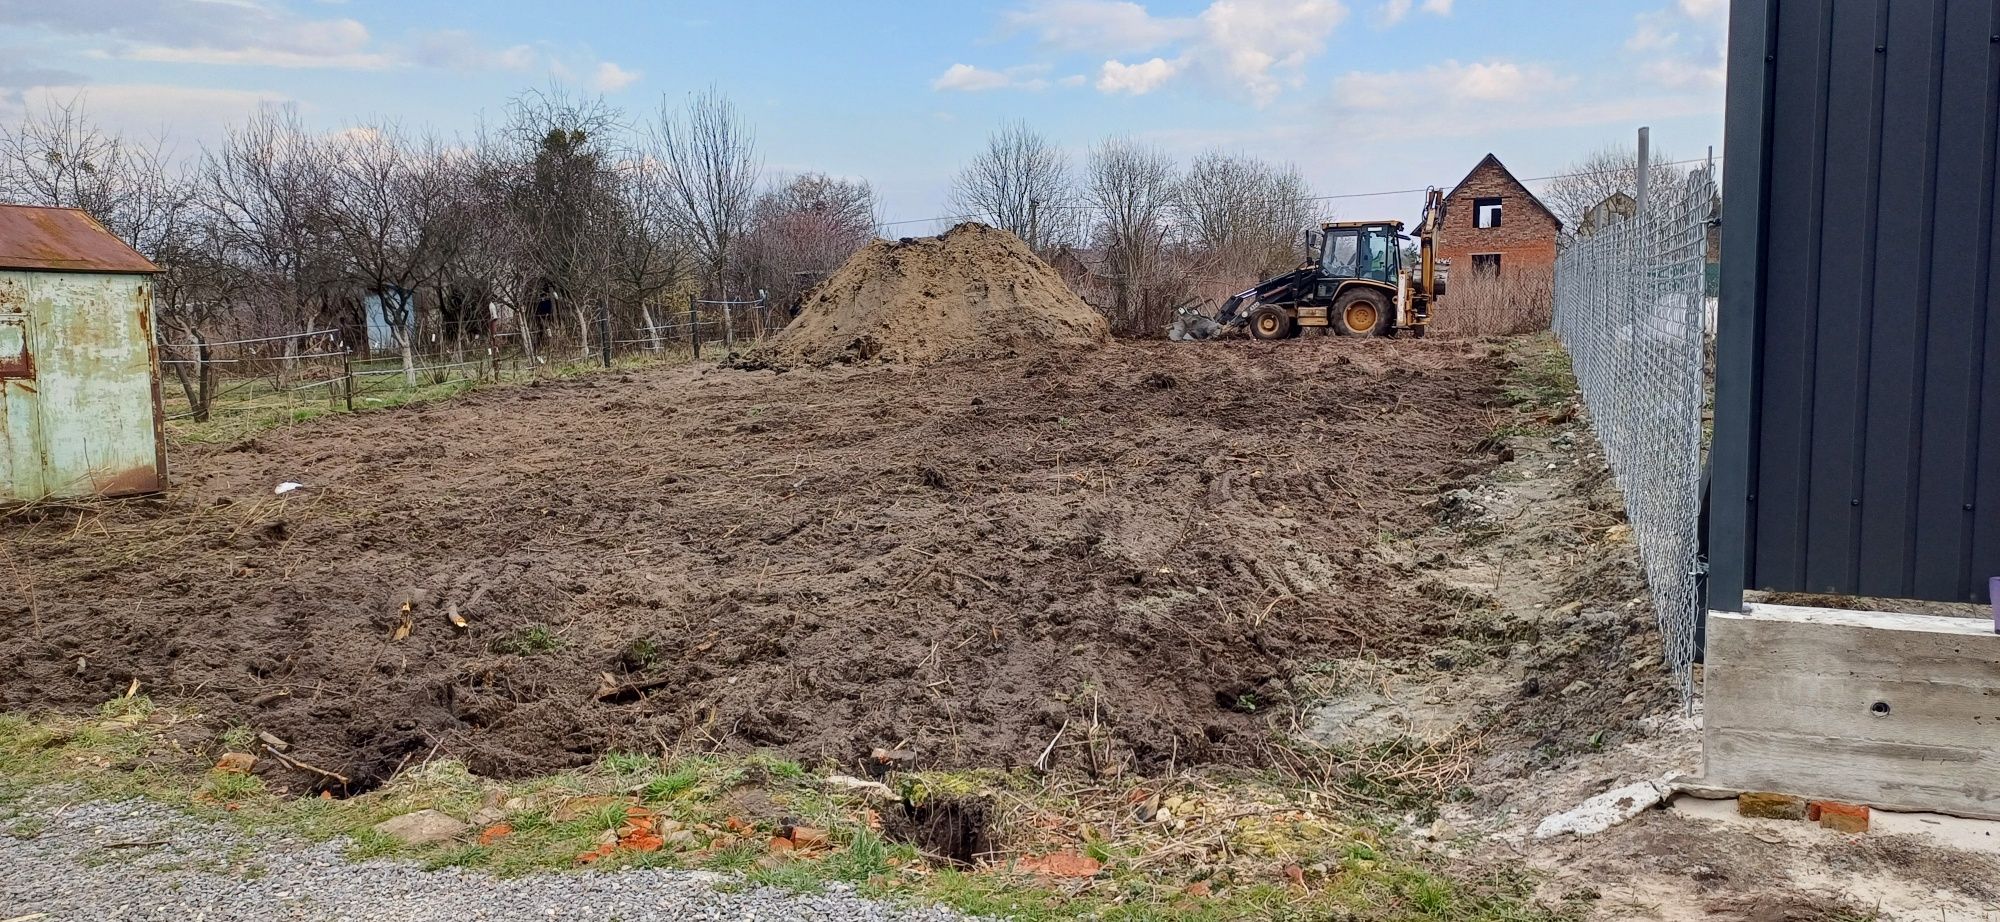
(694, 325)
(347, 376)
(604, 328)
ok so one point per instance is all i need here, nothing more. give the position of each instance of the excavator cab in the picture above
(1361, 251)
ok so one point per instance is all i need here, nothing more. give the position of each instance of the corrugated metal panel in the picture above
(79, 411)
(1857, 447)
(63, 239)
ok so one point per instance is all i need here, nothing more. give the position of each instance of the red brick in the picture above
(1839, 817)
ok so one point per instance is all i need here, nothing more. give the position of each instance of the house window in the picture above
(1486, 212)
(1485, 264)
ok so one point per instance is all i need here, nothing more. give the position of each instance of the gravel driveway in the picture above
(136, 860)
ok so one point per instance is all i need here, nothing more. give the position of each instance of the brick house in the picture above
(1501, 242)
(1493, 224)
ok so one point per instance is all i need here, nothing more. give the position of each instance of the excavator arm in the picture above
(1191, 324)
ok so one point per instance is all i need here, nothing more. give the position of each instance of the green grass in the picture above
(1539, 376)
(244, 407)
(529, 641)
(132, 749)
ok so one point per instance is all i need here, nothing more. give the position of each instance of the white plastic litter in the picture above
(287, 487)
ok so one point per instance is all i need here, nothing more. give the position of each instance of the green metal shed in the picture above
(79, 368)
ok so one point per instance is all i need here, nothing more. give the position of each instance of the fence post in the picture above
(694, 326)
(728, 328)
(347, 376)
(604, 329)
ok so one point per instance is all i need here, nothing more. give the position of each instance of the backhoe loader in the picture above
(1357, 287)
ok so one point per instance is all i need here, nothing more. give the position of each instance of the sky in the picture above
(1363, 96)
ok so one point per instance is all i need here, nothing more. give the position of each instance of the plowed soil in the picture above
(1115, 556)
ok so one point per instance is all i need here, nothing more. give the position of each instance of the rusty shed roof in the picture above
(63, 240)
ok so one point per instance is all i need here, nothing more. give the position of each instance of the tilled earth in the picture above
(1100, 559)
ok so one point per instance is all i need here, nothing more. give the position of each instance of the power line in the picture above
(1316, 198)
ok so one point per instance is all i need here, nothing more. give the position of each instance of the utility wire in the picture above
(1316, 198)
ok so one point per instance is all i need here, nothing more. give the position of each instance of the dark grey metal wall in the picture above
(1857, 442)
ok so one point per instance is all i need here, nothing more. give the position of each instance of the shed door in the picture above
(20, 455)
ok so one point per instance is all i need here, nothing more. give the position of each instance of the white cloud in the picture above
(1683, 45)
(258, 57)
(457, 49)
(183, 115)
(1451, 83)
(1259, 47)
(1136, 79)
(966, 78)
(1393, 11)
(1263, 45)
(1097, 26)
(260, 33)
(1443, 7)
(1074, 80)
(1652, 36)
(214, 32)
(610, 78)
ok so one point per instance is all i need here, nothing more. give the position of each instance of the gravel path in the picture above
(136, 860)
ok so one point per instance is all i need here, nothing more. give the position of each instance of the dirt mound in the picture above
(975, 292)
(1088, 559)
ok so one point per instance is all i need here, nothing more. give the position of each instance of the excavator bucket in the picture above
(1190, 326)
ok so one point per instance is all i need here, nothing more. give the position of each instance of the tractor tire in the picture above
(1362, 312)
(1269, 322)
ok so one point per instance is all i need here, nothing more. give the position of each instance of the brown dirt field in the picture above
(972, 292)
(1133, 548)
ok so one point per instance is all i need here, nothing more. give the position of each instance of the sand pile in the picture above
(974, 292)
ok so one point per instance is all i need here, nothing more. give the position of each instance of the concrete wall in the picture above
(79, 411)
(1890, 710)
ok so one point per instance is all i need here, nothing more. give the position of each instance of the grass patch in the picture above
(244, 408)
(1254, 846)
(530, 641)
(1539, 376)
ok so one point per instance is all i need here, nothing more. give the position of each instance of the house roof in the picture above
(63, 240)
(1495, 161)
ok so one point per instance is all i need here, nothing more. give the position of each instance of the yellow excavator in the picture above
(1358, 286)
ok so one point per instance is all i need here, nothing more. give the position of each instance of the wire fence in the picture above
(1630, 308)
(315, 370)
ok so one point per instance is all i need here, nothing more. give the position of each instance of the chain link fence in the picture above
(1630, 308)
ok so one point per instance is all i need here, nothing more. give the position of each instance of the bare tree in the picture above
(197, 285)
(57, 156)
(497, 251)
(1132, 189)
(1606, 172)
(264, 193)
(711, 166)
(391, 217)
(560, 184)
(804, 229)
(1244, 216)
(1021, 183)
(648, 255)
